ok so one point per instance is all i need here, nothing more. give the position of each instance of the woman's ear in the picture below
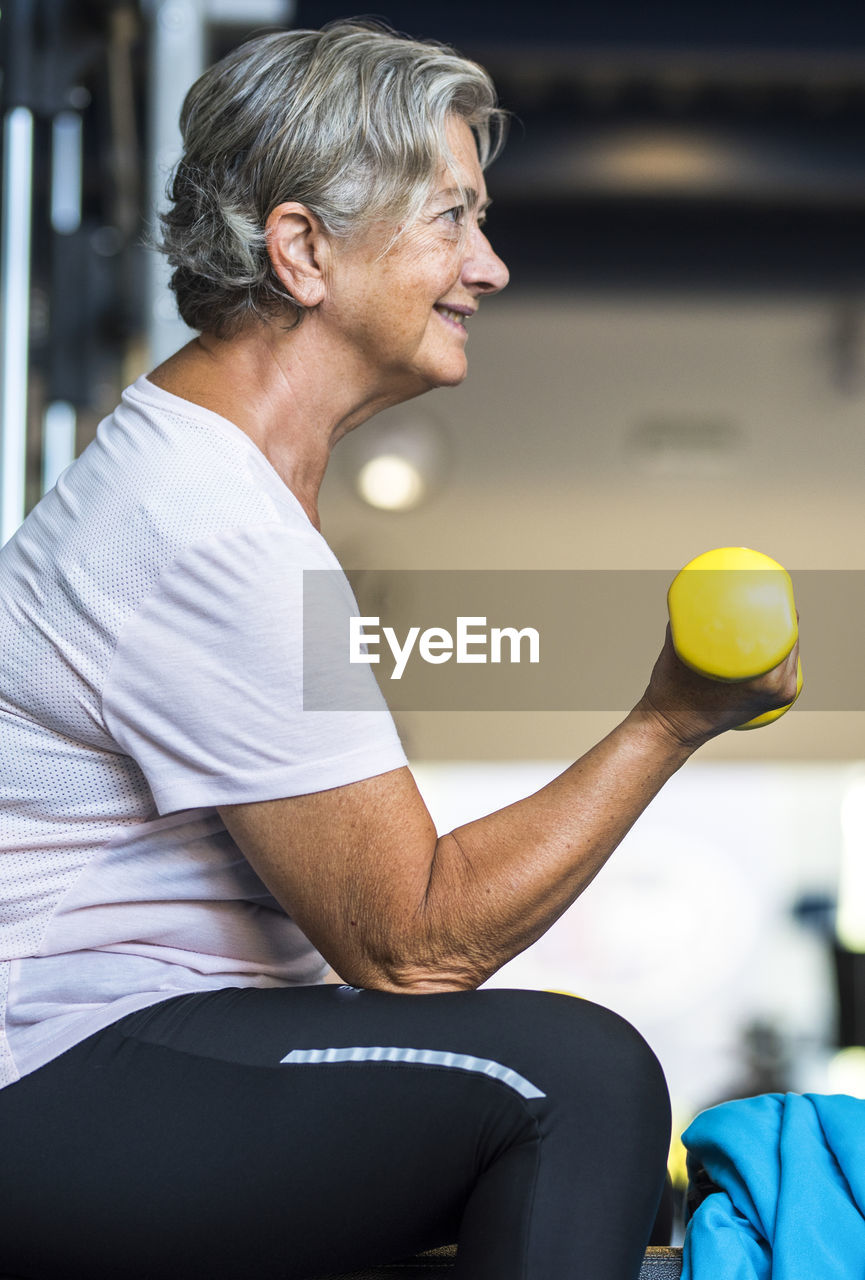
(297, 248)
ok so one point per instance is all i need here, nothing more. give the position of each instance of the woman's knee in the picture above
(569, 1043)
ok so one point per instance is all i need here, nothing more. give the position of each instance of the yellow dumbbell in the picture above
(733, 617)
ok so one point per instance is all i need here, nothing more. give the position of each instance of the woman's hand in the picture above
(693, 708)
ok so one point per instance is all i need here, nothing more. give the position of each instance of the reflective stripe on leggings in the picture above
(417, 1057)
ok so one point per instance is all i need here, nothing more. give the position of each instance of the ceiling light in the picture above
(397, 461)
(654, 161)
(686, 446)
(390, 483)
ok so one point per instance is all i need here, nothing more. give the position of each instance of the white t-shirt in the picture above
(151, 653)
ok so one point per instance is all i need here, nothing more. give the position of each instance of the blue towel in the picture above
(791, 1169)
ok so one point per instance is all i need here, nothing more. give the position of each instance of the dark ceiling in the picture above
(760, 107)
(676, 147)
(674, 24)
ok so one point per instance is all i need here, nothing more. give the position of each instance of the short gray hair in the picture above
(350, 121)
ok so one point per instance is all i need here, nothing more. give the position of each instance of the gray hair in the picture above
(350, 121)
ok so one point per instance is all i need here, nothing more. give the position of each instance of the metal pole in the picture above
(179, 52)
(17, 57)
(58, 441)
(67, 176)
(176, 60)
(15, 310)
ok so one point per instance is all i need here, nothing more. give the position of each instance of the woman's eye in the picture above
(454, 215)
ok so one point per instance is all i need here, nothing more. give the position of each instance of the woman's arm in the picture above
(392, 907)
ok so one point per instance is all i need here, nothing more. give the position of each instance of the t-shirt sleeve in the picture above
(206, 687)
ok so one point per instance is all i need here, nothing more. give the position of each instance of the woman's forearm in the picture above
(498, 883)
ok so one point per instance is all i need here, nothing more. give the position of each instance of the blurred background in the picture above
(678, 363)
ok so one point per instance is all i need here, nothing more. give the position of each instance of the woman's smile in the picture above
(455, 318)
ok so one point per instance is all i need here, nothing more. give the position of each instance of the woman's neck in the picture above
(292, 396)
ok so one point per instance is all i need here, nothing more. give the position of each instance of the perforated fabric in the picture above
(151, 669)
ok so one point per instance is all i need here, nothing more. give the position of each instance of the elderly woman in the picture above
(185, 849)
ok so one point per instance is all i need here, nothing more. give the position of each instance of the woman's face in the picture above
(406, 313)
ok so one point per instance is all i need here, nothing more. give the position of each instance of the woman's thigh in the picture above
(296, 1132)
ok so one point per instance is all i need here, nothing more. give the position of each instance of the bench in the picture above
(660, 1263)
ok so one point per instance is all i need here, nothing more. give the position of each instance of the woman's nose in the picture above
(484, 269)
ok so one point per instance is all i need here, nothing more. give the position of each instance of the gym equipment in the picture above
(733, 617)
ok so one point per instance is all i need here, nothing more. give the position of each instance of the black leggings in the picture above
(179, 1143)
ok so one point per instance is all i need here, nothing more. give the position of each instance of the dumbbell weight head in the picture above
(733, 617)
